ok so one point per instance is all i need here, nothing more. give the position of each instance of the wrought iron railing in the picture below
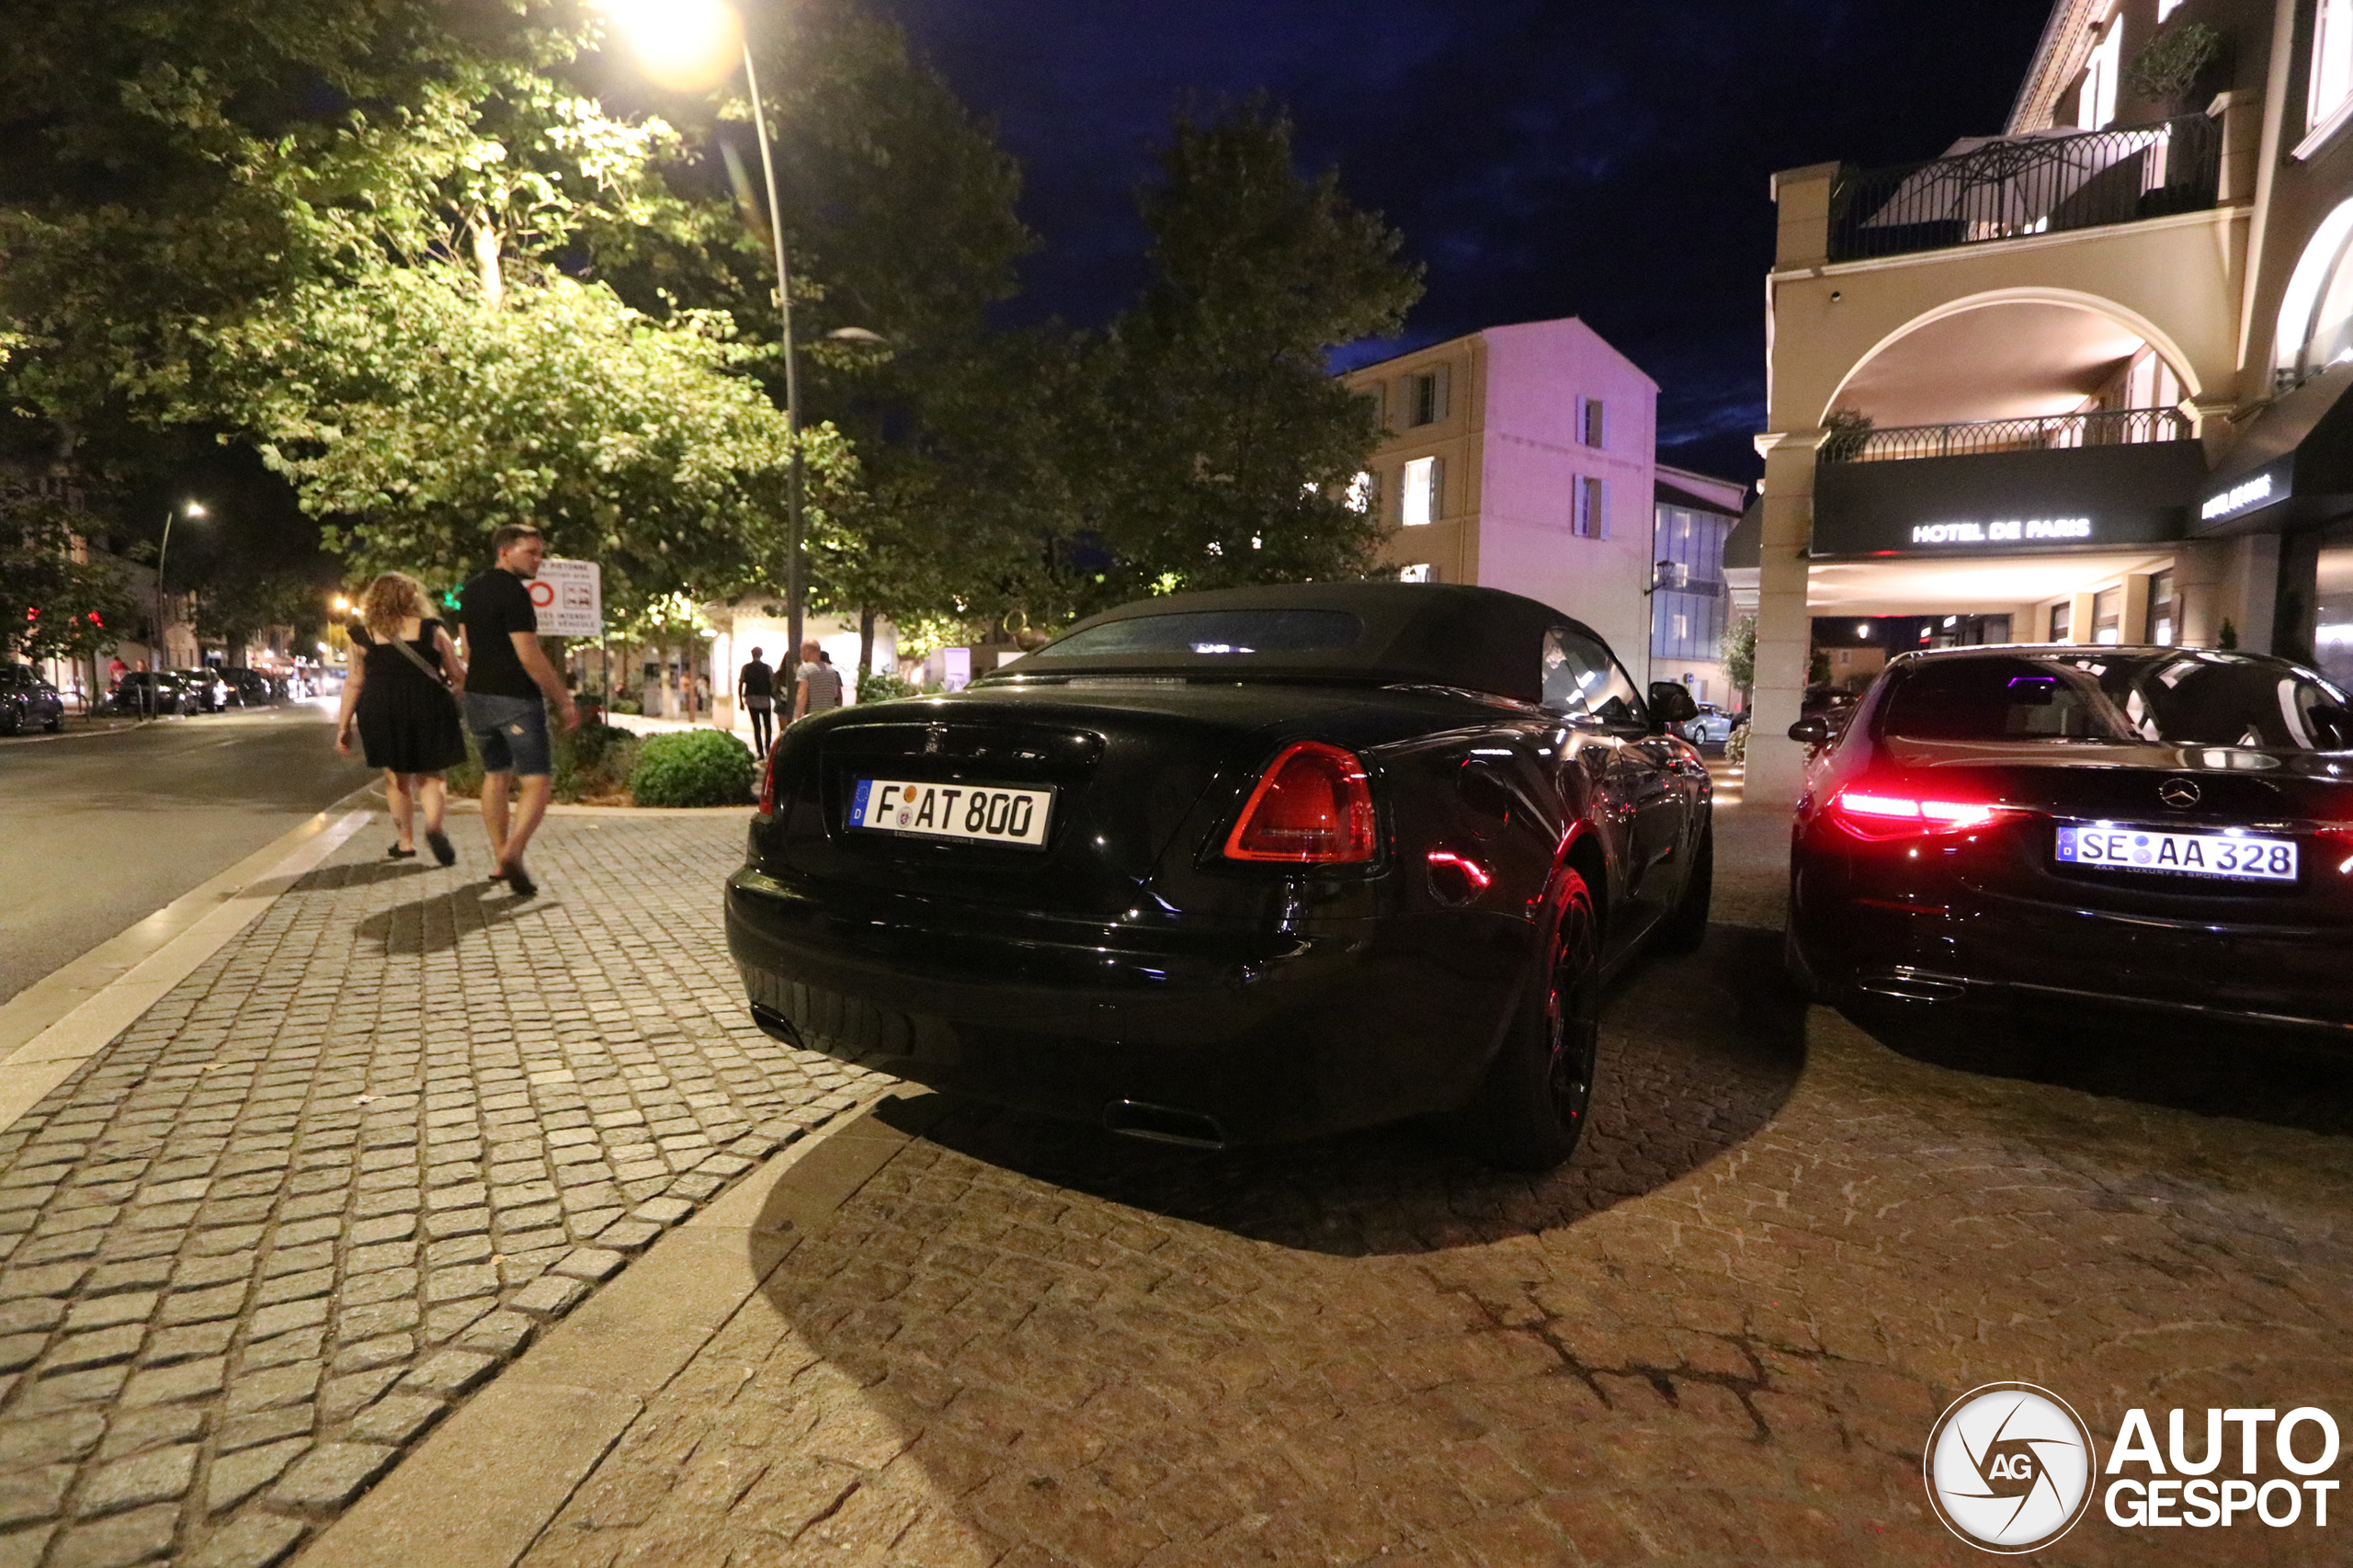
(2029, 184)
(2120, 427)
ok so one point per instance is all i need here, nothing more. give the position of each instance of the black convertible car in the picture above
(2160, 826)
(1239, 867)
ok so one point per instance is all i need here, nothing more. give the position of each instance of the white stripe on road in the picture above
(66, 1018)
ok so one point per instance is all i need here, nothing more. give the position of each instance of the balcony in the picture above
(2034, 185)
(2117, 427)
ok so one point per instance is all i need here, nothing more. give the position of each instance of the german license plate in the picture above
(2236, 857)
(975, 813)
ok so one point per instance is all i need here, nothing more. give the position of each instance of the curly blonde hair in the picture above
(390, 600)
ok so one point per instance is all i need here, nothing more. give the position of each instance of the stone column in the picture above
(1784, 624)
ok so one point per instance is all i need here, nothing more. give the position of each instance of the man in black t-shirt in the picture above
(756, 686)
(506, 676)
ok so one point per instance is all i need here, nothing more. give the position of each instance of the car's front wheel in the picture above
(1530, 1107)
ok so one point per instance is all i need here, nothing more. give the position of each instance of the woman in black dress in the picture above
(402, 696)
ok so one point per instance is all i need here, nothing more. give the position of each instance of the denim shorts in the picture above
(512, 733)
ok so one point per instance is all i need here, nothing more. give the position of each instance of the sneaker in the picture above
(438, 842)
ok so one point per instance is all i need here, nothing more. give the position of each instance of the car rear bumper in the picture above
(1223, 1037)
(1966, 943)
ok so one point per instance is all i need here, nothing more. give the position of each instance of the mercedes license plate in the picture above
(974, 813)
(2236, 857)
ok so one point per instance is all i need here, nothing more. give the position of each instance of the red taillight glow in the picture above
(1880, 814)
(768, 783)
(1313, 807)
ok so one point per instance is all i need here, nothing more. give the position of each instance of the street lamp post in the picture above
(686, 48)
(163, 554)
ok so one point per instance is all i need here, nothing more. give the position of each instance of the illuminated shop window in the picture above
(1422, 573)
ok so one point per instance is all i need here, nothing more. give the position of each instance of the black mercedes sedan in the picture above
(1239, 867)
(2157, 826)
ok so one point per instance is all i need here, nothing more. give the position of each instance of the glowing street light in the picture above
(693, 45)
(191, 509)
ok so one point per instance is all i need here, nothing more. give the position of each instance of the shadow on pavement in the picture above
(367, 873)
(2212, 1069)
(1697, 1054)
(434, 925)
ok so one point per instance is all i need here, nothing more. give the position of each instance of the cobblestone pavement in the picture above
(1720, 1336)
(351, 1166)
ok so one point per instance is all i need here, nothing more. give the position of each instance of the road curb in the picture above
(460, 1499)
(54, 1025)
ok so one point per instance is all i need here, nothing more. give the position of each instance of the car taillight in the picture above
(1881, 813)
(1313, 807)
(768, 783)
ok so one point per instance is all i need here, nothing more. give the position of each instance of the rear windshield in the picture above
(2185, 699)
(1214, 633)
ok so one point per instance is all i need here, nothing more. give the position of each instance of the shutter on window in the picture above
(1601, 505)
(1437, 484)
(1439, 379)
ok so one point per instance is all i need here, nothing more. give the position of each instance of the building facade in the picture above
(1521, 458)
(2086, 374)
(1692, 603)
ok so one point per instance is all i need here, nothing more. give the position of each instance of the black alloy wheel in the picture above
(1530, 1108)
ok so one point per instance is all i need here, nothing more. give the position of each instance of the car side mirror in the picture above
(1671, 704)
(1813, 730)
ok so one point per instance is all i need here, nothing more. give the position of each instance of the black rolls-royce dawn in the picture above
(2153, 826)
(1239, 867)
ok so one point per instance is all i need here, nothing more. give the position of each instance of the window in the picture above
(2185, 699)
(2097, 109)
(1589, 515)
(1423, 572)
(1424, 396)
(2108, 616)
(2161, 612)
(1424, 497)
(1682, 627)
(1593, 422)
(2331, 78)
(1582, 681)
(2062, 622)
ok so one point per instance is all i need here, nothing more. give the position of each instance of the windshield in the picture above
(2191, 698)
(1212, 632)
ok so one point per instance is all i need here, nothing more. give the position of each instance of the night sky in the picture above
(1544, 158)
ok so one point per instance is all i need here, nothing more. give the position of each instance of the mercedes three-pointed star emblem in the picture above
(2179, 793)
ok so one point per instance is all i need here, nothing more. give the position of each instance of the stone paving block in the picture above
(237, 1476)
(170, 1345)
(551, 1296)
(31, 1494)
(202, 1306)
(23, 1548)
(295, 1287)
(340, 1397)
(592, 1264)
(396, 1419)
(274, 1386)
(136, 1431)
(250, 1540)
(156, 1477)
(51, 1440)
(369, 1354)
(263, 1426)
(118, 1542)
(303, 1344)
(61, 1390)
(332, 1475)
(449, 1372)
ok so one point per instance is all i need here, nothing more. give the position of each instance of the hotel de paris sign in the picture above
(2025, 503)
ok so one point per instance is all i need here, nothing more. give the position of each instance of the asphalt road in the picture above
(98, 830)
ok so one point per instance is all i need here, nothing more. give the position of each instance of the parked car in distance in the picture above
(1714, 726)
(149, 692)
(27, 701)
(208, 693)
(2160, 827)
(1240, 866)
(253, 689)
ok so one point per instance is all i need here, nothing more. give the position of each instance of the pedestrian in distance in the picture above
(403, 698)
(756, 688)
(507, 694)
(817, 685)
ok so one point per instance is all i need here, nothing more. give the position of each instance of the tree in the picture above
(1738, 653)
(1226, 445)
(54, 602)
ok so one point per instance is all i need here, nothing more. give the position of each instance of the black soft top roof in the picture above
(1435, 634)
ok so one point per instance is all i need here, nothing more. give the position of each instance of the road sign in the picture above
(570, 597)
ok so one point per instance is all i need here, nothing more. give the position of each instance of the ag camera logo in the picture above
(2010, 1468)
